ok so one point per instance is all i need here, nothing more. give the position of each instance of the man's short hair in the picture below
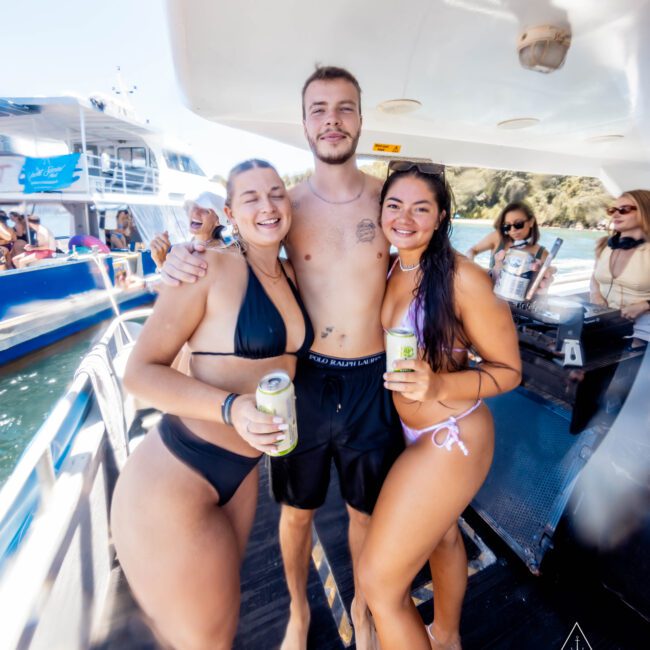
(33, 218)
(329, 73)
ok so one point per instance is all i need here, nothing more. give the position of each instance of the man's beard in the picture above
(335, 158)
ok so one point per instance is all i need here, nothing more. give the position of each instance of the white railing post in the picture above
(82, 129)
(45, 472)
(123, 168)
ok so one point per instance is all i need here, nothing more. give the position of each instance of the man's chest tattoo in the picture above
(366, 231)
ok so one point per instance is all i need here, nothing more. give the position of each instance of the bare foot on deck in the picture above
(365, 637)
(295, 637)
(441, 641)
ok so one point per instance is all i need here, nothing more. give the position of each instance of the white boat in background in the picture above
(87, 159)
(572, 443)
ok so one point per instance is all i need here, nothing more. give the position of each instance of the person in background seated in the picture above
(20, 228)
(621, 276)
(119, 238)
(7, 240)
(206, 223)
(448, 302)
(42, 249)
(516, 227)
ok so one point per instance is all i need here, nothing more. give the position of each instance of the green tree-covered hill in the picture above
(482, 193)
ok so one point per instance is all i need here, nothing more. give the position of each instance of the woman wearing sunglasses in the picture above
(449, 302)
(516, 227)
(621, 277)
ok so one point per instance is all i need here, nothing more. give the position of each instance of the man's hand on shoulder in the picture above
(185, 263)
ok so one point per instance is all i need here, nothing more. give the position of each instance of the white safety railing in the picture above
(25, 494)
(114, 176)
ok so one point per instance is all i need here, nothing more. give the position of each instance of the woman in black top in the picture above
(184, 503)
(515, 227)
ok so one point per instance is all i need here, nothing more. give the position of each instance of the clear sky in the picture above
(54, 47)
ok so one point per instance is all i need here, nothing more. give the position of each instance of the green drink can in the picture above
(401, 343)
(275, 395)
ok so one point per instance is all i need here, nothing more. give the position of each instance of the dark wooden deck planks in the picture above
(505, 606)
(265, 599)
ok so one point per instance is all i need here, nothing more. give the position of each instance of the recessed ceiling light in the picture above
(609, 137)
(399, 106)
(518, 123)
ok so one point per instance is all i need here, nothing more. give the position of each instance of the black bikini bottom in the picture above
(223, 469)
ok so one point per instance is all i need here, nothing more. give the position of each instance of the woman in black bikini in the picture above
(180, 552)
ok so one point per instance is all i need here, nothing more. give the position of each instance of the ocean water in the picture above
(576, 254)
(30, 387)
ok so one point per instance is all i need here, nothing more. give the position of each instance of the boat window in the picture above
(152, 160)
(91, 149)
(171, 159)
(135, 156)
(190, 166)
(182, 163)
(138, 157)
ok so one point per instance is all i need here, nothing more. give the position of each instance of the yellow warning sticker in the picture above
(387, 148)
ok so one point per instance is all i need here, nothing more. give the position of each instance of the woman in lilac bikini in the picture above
(448, 301)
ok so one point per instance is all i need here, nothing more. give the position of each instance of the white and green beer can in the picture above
(275, 395)
(400, 344)
(512, 283)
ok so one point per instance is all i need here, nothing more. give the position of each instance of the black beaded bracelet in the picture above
(226, 408)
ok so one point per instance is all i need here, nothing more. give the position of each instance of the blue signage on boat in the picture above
(48, 174)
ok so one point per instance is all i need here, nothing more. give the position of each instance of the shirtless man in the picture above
(44, 248)
(344, 413)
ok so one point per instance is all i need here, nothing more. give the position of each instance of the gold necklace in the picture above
(268, 275)
(322, 198)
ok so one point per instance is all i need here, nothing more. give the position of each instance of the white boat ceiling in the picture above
(59, 119)
(243, 63)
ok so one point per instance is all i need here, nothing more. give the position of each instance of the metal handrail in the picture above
(39, 446)
(38, 458)
(113, 175)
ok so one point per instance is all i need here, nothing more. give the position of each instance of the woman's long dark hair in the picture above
(439, 328)
(434, 294)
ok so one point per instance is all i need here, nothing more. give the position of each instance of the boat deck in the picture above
(505, 606)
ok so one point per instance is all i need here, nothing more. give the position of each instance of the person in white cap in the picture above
(207, 220)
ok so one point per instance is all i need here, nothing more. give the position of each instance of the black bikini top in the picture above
(261, 332)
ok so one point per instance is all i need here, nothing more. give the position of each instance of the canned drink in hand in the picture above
(401, 343)
(275, 395)
(515, 275)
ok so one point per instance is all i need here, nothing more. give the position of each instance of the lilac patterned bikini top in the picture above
(413, 319)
